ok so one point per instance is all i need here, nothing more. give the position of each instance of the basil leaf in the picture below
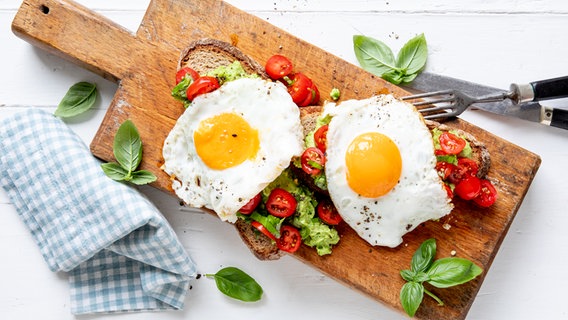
(424, 256)
(78, 99)
(448, 272)
(408, 275)
(141, 177)
(114, 171)
(270, 222)
(411, 295)
(236, 284)
(373, 55)
(127, 146)
(393, 76)
(412, 56)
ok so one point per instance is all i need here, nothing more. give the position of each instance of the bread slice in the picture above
(206, 55)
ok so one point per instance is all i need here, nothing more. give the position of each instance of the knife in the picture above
(524, 97)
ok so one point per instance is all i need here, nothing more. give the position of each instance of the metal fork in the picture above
(451, 103)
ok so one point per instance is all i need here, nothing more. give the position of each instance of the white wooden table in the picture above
(491, 42)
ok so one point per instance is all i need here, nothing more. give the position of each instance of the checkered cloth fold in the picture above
(119, 251)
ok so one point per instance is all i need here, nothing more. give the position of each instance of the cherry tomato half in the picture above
(200, 86)
(281, 203)
(468, 188)
(313, 96)
(251, 205)
(183, 72)
(451, 144)
(320, 137)
(328, 213)
(468, 166)
(290, 239)
(488, 194)
(278, 66)
(299, 87)
(312, 160)
(263, 230)
(445, 169)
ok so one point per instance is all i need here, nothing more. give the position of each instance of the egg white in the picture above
(419, 195)
(269, 109)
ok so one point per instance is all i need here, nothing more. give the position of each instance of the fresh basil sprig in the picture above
(78, 99)
(376, 57)
(236, 284)
(442, 273)
(127, 149)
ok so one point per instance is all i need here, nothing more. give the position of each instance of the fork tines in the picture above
(440, 103)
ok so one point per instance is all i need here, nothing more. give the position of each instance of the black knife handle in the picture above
(559, 118)
(550, 88)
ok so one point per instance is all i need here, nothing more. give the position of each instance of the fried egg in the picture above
(231, 143)
(380, 168)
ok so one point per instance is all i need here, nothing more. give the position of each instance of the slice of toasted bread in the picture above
(203, 56)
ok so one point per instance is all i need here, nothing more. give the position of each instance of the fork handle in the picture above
(540, 90)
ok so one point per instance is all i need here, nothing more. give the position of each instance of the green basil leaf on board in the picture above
(236, 284)
(442, 273)
(127, 146)
(114, 171)
(424, 256)
(449, 272)
(376, 57)
(411, 296)
(127, 149)
(142, 177)
(78, 99)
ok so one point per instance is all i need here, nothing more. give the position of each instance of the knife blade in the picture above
(531, 111)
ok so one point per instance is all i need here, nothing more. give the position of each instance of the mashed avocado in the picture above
(314, 232)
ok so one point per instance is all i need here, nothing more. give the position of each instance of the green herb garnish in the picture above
(127, 149)
(377, 58)
(78, 99)
(442, 273)
(236, 284)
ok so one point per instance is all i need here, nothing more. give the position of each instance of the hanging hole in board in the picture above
(44, 9)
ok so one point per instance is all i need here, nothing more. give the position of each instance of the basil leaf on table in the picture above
(236, 284)
(376, 57)
(78, 99)
(424, 256)
(127, 149)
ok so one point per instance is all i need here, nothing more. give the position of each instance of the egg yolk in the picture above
(373, 164)
(225, 140)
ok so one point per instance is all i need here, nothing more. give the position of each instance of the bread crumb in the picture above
(446, 226)
(453, 253)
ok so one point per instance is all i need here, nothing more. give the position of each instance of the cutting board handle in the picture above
(75, 33)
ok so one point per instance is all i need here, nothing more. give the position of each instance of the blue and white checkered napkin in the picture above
(120, 252)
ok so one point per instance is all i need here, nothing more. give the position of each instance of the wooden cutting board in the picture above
(144, 65)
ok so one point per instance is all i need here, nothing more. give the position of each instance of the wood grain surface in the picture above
(144, 65)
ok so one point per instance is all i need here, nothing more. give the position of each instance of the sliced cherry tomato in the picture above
(263, 230)
(299, 87)
(469, 166)
(488, 194)
(445, 169)
(200, 86)
(312, 98)
(278, 66)
(281, 203)
(449, 191)
(251, 205)
(290, 239)
(320, 137)
(183, 72)
(468, 188)
(451, 144)
(328, 213)
(312, 160)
